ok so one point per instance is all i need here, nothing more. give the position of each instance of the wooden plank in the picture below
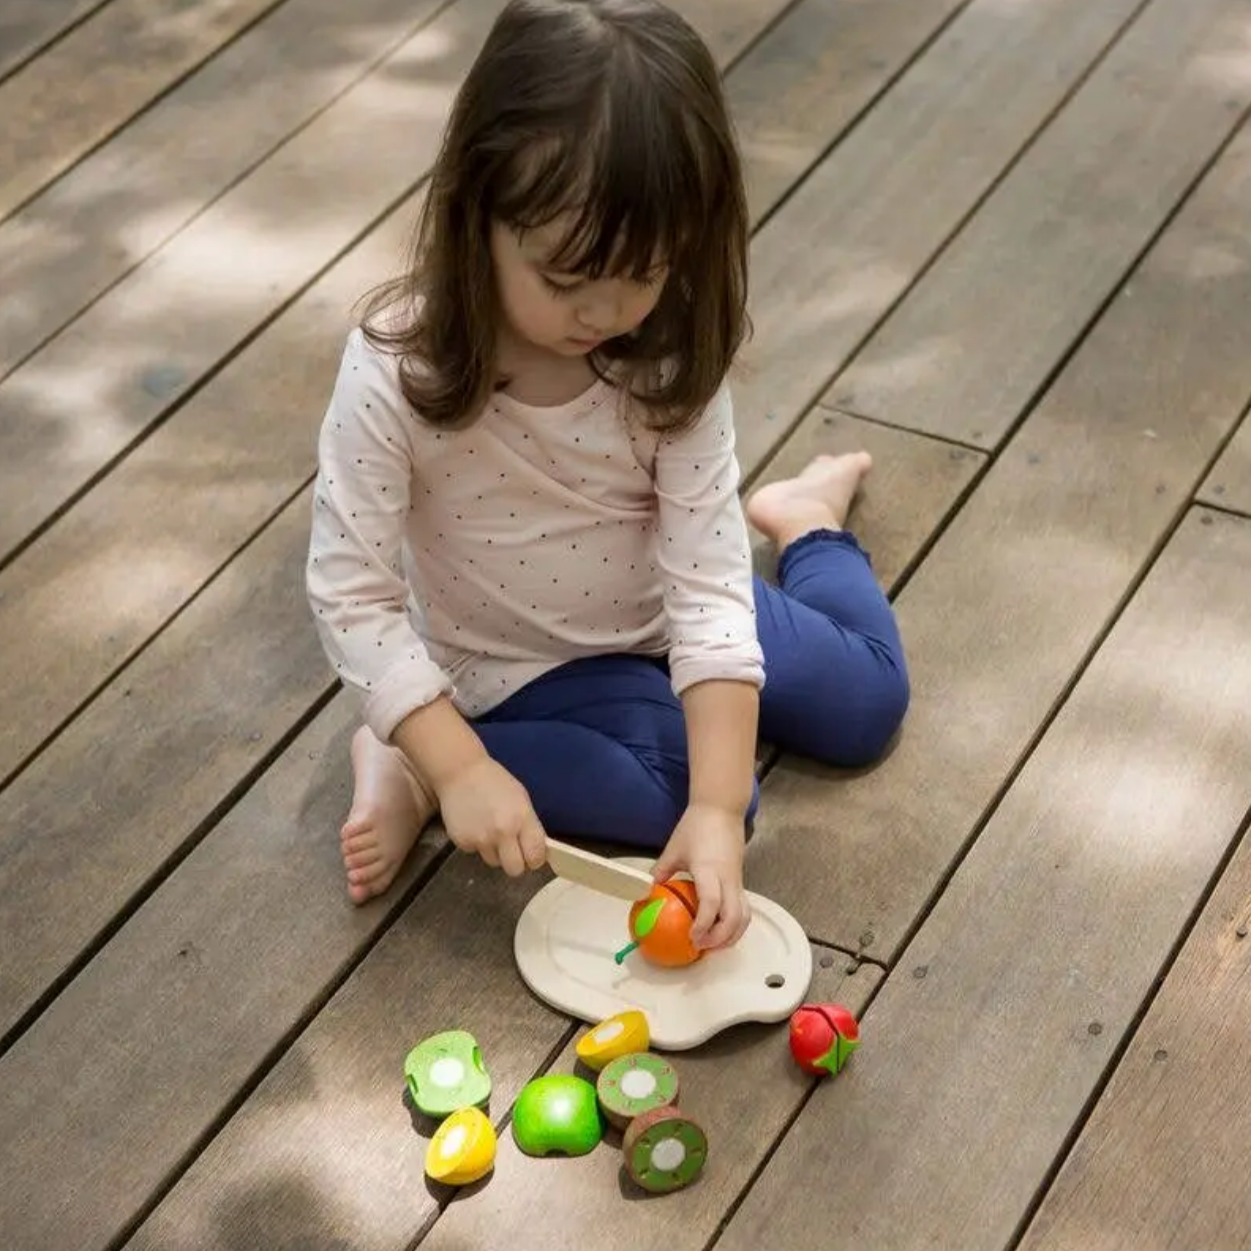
(818, 68)
(741, 1088)
(1229, 483)
(133, 1061)
(968, 349)
(998, 1023)
(1017, 590)
(865, 222)
(62, 104)
(27, 26)
(112, 373)
(121, 203)
(147, 764)
(730, 27)
(1162, 1161)
(915, 484)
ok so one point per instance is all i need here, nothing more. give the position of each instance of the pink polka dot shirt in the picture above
(471, 562)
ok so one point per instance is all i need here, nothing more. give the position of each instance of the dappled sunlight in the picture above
(1231, 66)
(911, 368)
(135, 193)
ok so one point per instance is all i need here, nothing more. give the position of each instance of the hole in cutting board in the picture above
(774, 981)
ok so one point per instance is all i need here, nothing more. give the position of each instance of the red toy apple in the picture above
(823, 1036)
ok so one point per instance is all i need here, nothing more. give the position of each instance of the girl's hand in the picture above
(487, 811)
(708, 843)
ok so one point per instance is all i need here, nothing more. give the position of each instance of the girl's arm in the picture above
(715, 661)
(354, 575)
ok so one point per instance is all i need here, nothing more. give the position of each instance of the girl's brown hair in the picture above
(611, 111)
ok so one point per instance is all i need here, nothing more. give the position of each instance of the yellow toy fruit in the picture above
(463, 1149)
(620, 1035)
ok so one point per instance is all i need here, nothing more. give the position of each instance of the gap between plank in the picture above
(139, 112)
(248, 1087)
(52, 40)
(368, 69)
(963, 220)
(1118, 1054)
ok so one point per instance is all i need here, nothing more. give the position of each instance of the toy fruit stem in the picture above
(625, 951)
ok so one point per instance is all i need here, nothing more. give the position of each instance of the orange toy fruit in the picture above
(660, 925)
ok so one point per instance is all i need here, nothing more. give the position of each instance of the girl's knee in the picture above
(857, 735)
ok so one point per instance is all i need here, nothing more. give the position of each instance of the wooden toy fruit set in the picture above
(635, 1091)
(561, 945)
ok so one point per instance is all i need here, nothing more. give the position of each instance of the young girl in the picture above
(528, 553)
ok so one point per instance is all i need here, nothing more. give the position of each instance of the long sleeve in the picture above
(705, 555)
(354, 574)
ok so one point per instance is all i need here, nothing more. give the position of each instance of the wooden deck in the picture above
(1004, 244)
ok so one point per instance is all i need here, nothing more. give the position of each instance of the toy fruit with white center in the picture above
(822, 1037)
(660, 925)
(664, 1150)
(446, 1072)
(634, 1084)
(620, 1035)
(462, 1150)
(557, 1113)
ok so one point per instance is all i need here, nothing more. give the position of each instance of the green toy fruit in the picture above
(446, 1072)
(557, 1113)
(664, 1150)
(634, 1084)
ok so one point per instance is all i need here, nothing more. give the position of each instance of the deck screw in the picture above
(1095, 1028)
(920, 972)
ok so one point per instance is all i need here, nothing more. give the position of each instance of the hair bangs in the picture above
(630, 184)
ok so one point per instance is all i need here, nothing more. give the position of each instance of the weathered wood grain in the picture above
(816, 69)
(148, 763)
(741, 1088)
(26, 26)
(915, 483)
(1020, 585)
(979, 335)
(114, 371)
(730, 27)
(1229, 483)
(1162, 1161)
(130, 1066)
(863, 224)
(121, 203)
(60, 105)
(1001, 1017)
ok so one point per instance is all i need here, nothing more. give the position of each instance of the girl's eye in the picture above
(560, 288)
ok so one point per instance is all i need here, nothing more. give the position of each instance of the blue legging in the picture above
(600, 743)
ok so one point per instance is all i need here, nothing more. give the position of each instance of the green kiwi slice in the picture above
(664, 1150)
(633, 1084)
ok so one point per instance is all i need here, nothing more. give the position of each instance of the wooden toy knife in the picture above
(609, 877)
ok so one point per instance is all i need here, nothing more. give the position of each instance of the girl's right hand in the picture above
(487, 811)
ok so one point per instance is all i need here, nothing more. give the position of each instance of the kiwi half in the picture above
(633, 1084)
(664, 1150)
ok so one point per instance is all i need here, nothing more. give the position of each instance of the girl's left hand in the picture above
(708, 843)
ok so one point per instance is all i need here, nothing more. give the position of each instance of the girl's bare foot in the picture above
(819, 499)
(390, 808)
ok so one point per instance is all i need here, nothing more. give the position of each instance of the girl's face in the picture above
(559, 312)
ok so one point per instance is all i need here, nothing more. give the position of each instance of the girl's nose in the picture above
(599, 315)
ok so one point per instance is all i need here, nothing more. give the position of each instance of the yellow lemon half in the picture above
(463, 1149)
(621, 1035)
